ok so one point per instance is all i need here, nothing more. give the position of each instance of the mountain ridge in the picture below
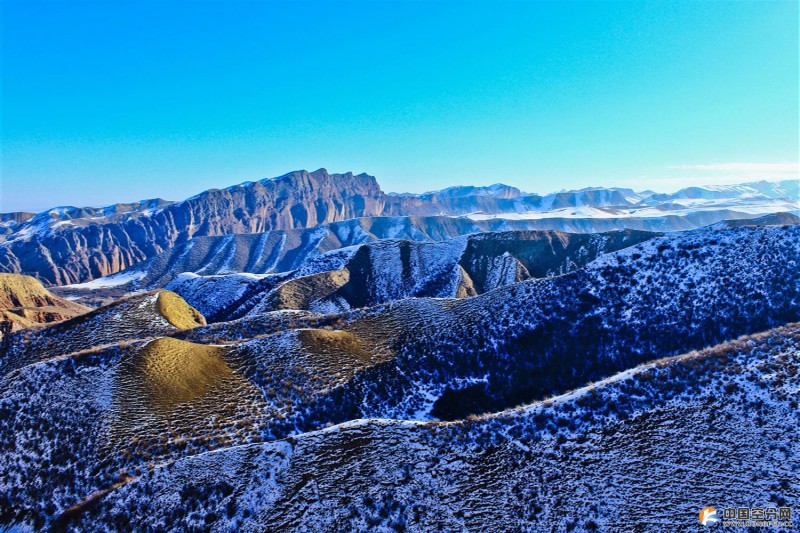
(25, 303)
(455, 476)
(73, 245)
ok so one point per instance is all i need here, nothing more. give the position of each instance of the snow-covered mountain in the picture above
(393, 270)
(778, 190)
(452, 358)
(241, 260)
(226, 426)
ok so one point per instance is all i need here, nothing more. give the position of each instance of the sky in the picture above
(105, 102)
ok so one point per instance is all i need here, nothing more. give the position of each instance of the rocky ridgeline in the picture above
(69, 245)
(78, 249)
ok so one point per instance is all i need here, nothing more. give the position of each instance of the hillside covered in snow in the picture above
(575, 367)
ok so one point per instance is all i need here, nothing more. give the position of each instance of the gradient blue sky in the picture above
(116, 101)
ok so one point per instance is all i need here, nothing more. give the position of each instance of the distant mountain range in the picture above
(73, 245)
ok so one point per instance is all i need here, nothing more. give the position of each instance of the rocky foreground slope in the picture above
(644, 450)
(587, 460)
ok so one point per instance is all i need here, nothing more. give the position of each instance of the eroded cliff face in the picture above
(61, 247)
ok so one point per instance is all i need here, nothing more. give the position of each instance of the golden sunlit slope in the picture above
(177, 312)
(25, 303)
(175, 372)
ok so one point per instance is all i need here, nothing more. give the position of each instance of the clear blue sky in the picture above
(115, 101)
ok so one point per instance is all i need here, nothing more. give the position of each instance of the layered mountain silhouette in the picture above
(73, 245)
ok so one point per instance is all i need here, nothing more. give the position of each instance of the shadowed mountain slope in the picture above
(630, 442)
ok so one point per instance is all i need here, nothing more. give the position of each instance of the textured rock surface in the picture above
(10, 221)
(287, 250)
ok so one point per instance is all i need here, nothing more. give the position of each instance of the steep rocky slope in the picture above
(59, 247)
(274, 251)
(392, 270)
(10, 221)
(429, 264)
(25, 303)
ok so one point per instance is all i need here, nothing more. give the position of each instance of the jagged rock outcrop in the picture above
(287, 250)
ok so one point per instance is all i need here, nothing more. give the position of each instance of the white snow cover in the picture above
(114, 280)
(208, 294)
(680, 207)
